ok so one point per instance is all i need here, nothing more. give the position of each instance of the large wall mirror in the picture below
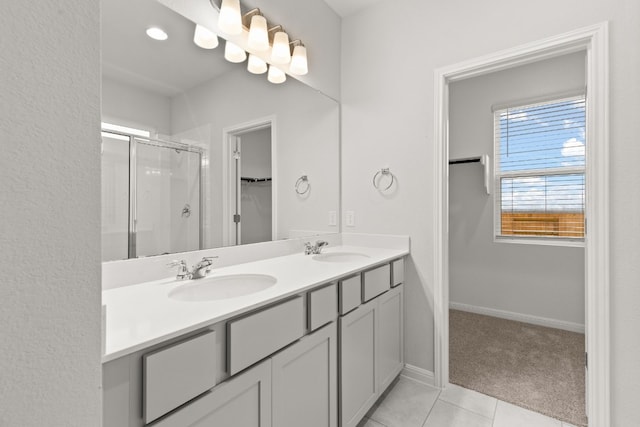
(199, 153)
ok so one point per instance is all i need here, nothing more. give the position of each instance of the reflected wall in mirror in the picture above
(199, 153)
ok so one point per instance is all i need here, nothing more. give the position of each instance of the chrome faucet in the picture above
(314, 249)
(200, 270)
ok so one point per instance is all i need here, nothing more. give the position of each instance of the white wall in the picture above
(128, 105)
(307, 132)
(50, 209)
(388, 116)
(541, 281)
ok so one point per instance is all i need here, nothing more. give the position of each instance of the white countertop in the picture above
(139, 316)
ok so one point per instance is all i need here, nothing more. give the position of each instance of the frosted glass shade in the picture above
(230, 18)
(204, 38)
(234, 53)
(256, 65)
(258, 34)
(276, 75)
(299, 65)
(281, 53)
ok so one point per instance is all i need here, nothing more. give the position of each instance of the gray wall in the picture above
(388, 120)
(50, 373)
(542, 281)
(128, 105)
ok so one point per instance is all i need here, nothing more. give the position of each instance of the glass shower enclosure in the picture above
(152, 196)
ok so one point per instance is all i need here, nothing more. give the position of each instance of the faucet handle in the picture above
(321, 243)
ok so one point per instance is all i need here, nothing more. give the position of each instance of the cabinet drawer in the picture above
(322, 306)
(350, 294)
(376, 282)
(257, 335)
(397, 275)
(176, 374)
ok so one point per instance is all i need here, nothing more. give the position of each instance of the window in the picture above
(540, 171)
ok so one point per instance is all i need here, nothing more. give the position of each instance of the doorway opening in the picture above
(593, 42)
(249, 215)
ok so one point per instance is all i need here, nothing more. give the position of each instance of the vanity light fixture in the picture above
(157, 33)
(230, 18)
(299, 65)
(276, 75)
(234, 53)
(204, 38)
(281, 52)
(256, 65)
(258, 34)
(261, 36)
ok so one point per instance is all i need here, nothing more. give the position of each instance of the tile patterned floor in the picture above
(409, 403)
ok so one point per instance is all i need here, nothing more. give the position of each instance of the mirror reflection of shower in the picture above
(152, 196)
(252, 194)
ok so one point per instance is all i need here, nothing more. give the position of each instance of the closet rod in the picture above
(467, 160)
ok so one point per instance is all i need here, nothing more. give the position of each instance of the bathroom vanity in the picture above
(316, 348)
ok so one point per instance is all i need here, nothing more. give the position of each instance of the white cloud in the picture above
(573, 148)
(518, 117)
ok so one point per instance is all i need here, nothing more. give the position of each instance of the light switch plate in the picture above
(350, 218)
(333, 218)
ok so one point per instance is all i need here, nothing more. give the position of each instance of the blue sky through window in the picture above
(545, 143)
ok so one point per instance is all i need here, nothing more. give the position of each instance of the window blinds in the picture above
(539, 168)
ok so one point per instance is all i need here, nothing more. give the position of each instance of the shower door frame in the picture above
(133, 141)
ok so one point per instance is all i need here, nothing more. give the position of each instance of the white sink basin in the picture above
(222, 287)
(340, 257)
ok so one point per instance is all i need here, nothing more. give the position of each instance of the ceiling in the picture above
(348, 7)
(167, 67)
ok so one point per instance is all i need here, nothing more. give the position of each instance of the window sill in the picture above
(573, 243)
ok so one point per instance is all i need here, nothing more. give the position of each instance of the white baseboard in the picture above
(421, 375)
(526, 318)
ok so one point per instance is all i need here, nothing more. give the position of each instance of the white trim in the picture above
(593, 40)
(519, 317)
(544, 241)
(418, 374)
(228, 134)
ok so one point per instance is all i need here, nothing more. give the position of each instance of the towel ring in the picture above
(382, 172)
(299, 184)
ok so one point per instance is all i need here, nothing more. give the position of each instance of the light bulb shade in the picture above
(204, 38)
(299, 65)
(230, 18)
(258, 34)
(234, 53)
(256, 65)
(276, 75)
(281, 53)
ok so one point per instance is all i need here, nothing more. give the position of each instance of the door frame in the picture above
(229, 135)
(594, 41)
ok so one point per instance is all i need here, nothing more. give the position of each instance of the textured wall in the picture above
(50, 214)
(389, 54)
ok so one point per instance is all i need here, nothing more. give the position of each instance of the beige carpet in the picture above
(534, 367)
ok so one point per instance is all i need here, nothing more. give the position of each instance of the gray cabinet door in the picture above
(243, 401)
(358, 390)
(304, 381)
(389, 335)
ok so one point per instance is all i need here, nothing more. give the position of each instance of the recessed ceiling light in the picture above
(157, 33)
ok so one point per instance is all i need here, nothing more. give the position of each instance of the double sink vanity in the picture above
(293, 340)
